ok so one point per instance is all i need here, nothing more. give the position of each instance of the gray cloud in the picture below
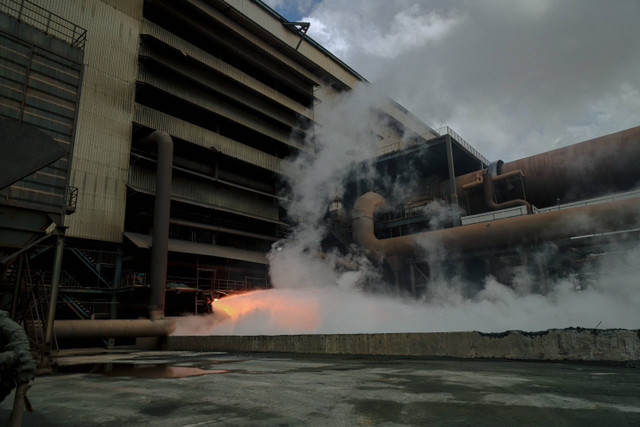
(512, 77)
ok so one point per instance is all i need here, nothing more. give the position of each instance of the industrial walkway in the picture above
(154, 388)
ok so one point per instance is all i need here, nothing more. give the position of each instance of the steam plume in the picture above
(314, 292)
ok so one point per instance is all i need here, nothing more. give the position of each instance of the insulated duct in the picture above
(584, 220)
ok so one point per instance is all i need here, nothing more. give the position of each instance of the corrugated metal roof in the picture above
(144, 241)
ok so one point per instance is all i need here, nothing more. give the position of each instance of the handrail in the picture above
(446, 130)
(49, 22)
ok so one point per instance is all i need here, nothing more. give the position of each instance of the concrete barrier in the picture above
(577, 344)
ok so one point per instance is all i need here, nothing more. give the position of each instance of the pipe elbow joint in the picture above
(362, 217)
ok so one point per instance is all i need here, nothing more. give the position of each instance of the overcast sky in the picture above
(513, 78)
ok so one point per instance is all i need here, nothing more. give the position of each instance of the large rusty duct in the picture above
(599, 166)
(591, 168)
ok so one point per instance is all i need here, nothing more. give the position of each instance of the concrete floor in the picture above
(153, 388)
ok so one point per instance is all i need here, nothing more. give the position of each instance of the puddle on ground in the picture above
(138, 370)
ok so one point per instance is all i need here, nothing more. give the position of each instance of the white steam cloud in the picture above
(316, 292)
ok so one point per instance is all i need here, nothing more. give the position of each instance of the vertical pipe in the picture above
(117, 278)
(16, 290)
(489, 196)
(55, 284)
(455, 210)
(161, 214)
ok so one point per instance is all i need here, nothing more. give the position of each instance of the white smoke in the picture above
(317, 292)
(320, 305)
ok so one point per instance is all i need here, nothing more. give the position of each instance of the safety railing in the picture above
(240, 285)
(595, 201)
(212, 284)
(446, 130)
(50, 23)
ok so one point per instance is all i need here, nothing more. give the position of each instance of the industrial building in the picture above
(237, 89)
(166, 128)
(556, 214)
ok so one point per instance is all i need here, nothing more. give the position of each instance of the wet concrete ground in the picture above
(153, 388)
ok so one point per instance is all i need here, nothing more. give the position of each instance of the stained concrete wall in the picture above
(616, 345)
(100, 163)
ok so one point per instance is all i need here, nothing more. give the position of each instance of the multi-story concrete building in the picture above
(239, 90)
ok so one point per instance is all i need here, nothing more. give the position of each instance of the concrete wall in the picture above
(556, 344)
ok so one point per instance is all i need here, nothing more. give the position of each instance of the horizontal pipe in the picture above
(584, 220)
(116, 328)
(479, 181)
(588, 169)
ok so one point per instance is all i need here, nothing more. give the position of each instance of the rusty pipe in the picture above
(363, 230)
(591, 168)
(584, 220)
(588, 169)
(114, 328)
(489, 197)
(161, 215)
(495, 178)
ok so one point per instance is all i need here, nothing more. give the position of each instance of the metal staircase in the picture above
(77, 307)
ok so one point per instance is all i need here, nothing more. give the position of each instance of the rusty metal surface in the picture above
(119, 328)
(605, 164)
(591, 168)
(560, 224)
(489, 197)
